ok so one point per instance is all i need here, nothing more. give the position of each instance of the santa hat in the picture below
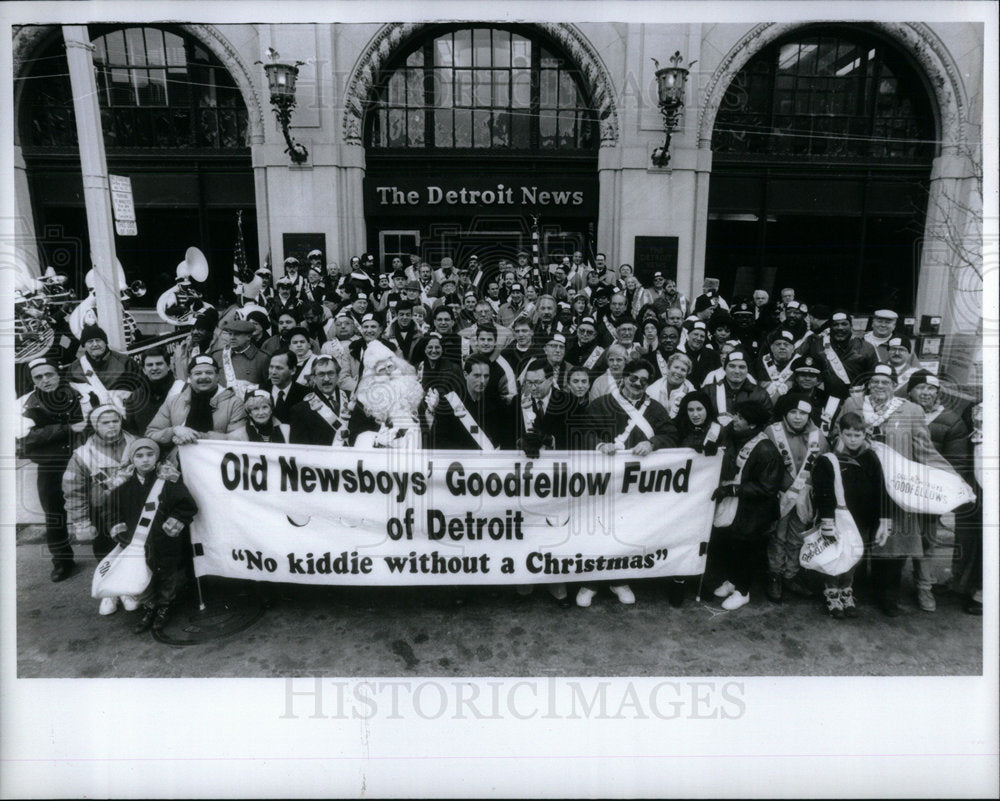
(376, 352)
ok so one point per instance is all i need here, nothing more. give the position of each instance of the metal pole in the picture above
(94, 168)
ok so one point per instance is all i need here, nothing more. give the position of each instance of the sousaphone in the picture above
(182, 303)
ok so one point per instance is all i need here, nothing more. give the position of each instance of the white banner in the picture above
(314, 515)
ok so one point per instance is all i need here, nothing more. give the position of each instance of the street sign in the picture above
(122, 205)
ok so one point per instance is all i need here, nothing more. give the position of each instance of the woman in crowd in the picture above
(261, 425)
(694, 420)
(674, 385)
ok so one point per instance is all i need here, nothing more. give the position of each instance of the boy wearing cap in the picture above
(902, 426)
(800, 443)
(53, 424)
(109, 375)
(164, 511)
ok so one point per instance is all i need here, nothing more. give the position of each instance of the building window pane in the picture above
(826, 97)
(480, 92)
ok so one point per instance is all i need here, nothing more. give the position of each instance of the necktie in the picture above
(537, 408)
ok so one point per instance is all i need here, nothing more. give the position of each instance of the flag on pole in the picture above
(535, 257)
(241, 270)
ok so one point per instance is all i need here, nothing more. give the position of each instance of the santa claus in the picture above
(387, 399)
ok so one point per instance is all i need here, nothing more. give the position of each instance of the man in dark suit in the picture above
(542, 411)
(317, 418)
(285, 393)
(471, 417)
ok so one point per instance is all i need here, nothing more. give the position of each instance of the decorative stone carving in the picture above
(389, 37)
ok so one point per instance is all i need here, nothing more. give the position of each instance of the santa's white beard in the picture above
(396, 397)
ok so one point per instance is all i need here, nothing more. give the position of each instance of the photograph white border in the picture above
(828, 737)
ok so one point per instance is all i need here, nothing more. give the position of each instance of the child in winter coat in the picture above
(166, 513)
(866, 500)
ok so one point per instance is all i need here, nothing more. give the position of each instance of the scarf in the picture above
(199, 416)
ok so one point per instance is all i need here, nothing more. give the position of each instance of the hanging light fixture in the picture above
(281, 78)
(670, 85)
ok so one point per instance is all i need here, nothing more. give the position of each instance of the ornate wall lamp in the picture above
(670, 83)
(281, 82)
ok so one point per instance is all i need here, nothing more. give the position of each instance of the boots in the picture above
(160, 619)
(146, 621)
(925, 598)
(847, 601)
(833, 604)
(890, 602)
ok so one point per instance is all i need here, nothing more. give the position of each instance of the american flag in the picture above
(241, 270)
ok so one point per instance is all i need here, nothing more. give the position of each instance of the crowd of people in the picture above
(508, 356)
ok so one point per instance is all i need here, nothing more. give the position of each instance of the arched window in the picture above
(822, 150)
(481, 88)
(156, 88)
(828, 95)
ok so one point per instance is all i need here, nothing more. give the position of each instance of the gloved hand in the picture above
(120, 533)
(711, 448)
(725, 491)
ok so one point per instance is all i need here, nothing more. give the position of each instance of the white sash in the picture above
(227, 367)
(932, 415)
(832, 404)
(720, 403)
(798, 345)
(90, 374)
(148, 513)
(780, 439)
(636, 419)
(331, 419)
(661, 363)
(875, 420)
(595, 354)
(508, 372)
(306, 371)
(237, 385)
(465, 418)
(834, 360)
(725, 508)
(779, 380)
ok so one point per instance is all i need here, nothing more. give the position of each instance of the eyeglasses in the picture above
(637, 380)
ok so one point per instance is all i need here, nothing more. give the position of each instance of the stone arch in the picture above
(28, 38)
(915, 39)
(391, 36)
